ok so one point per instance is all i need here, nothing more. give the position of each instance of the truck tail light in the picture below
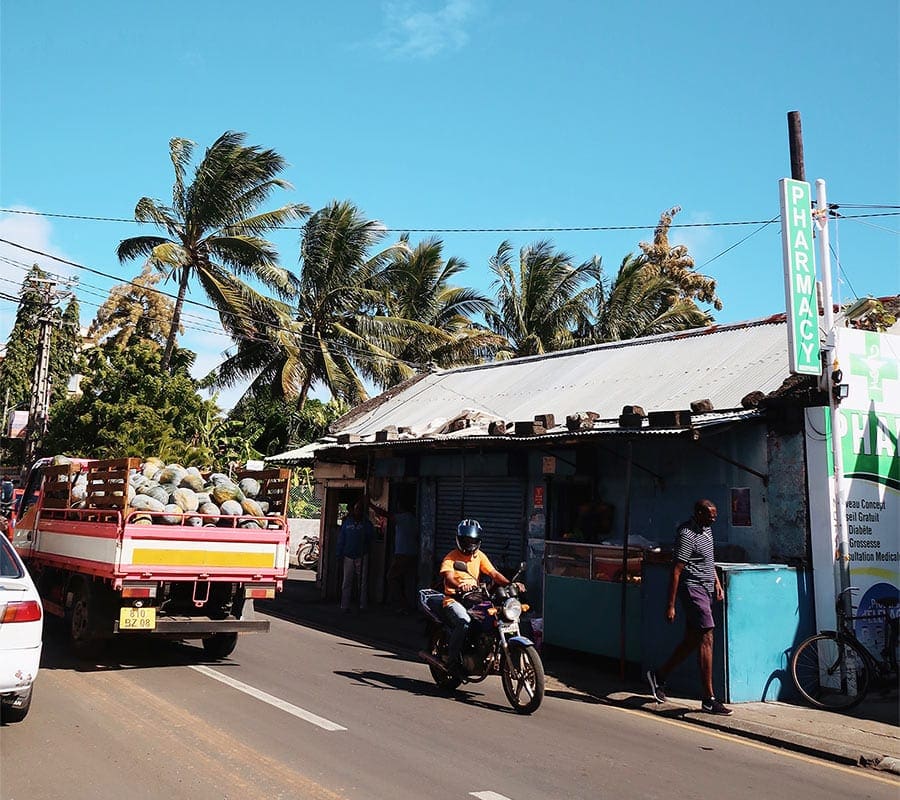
(20, 611)
(259, 592)
(139, 590)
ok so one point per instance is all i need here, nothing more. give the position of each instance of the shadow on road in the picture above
(400, 683)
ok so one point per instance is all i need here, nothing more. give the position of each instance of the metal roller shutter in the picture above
(497, 503)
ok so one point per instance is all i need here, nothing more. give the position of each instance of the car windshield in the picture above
(9, 564)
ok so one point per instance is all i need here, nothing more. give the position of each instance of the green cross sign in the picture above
(875, 368)
(800, 277)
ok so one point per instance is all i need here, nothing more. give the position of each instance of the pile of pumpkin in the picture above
(178, 495)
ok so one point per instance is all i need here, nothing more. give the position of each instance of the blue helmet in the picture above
(468, 536)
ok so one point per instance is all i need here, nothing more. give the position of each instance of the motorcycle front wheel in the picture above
(522, 676)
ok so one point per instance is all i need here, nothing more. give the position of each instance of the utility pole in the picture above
(795, 140)
(39, 409)
(831, 377)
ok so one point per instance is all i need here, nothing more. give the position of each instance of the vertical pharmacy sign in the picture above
(800, 277)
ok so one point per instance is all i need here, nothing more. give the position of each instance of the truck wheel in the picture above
(81, 620)
(220, 645)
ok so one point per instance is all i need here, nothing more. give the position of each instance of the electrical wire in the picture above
(738, 243)
(352, 351)
(405, 229)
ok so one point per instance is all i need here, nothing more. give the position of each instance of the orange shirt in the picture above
(477, 564)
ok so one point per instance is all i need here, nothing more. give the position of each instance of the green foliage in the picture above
(273, 424)
(336, 333)
(303, 502)
(17, 368)
(543, 300)
(129, 406)
(214, 232)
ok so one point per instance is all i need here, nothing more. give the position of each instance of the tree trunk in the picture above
(176, 318)
(304, 390)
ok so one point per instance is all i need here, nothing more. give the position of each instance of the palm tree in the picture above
(337, 331)
(442, 332)
(677, 265)
(641, 302)
(214, 231)
(135, 310)
(544, 302)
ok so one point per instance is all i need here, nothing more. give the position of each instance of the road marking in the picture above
(290, 708)
(730, 737)
(488, 796)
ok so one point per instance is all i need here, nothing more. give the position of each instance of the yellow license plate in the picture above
(137, 619)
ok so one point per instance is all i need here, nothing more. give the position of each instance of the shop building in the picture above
(581, 464)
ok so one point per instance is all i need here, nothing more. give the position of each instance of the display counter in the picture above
(583, 598)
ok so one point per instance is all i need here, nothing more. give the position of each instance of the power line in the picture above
(738, 243)
(560, 229)
(349, 349)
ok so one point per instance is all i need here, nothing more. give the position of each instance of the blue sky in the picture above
(460, 114)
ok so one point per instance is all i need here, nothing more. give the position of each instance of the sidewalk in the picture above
(869, 736)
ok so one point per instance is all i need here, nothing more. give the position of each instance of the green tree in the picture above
(333, 334)
(278, 425)
(215, 231)
(17, 367)
(541, 301)
(676, 264)
(130, 406)
(441, 331)
(640, 302)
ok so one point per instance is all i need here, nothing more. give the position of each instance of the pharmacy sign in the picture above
(800, 277)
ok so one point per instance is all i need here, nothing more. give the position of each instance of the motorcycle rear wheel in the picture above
(524, 690)
(444, 680)
(307, 556)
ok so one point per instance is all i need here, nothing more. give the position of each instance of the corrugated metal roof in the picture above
(722, 364)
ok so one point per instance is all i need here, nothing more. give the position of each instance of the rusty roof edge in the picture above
(699, 422)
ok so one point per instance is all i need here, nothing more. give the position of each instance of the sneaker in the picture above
(657, 687)
(713, 706)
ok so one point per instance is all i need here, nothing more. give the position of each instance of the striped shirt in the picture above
(694, 547)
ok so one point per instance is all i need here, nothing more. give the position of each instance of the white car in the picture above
(21, 629)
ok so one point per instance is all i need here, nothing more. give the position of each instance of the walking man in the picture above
(694, 584)
(353, 545)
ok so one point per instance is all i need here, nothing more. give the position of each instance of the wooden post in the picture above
(795, 140)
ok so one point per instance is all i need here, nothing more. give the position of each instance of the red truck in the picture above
(109, 568)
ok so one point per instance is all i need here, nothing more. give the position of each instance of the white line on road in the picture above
(301, 713)
(488, 796)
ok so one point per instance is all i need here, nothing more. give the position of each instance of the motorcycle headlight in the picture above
(511, 610)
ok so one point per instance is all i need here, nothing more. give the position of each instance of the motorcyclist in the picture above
(457, 583)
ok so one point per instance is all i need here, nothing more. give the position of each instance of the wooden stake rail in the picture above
(107, 482)
(275, 486)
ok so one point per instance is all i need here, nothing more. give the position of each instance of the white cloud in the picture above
(32, 231)
(416, 34)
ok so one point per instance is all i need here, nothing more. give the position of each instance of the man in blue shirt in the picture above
(353, 544)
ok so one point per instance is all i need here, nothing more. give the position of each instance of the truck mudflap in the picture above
(198, 627)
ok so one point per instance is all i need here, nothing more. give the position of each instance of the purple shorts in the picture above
(697, 603)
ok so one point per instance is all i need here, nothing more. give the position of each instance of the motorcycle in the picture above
(308, 552)
(493, 643)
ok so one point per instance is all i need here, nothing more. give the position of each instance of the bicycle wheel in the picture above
(829, 672)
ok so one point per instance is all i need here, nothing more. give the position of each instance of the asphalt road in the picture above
(297, 713)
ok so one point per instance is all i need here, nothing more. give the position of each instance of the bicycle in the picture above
(834, 669)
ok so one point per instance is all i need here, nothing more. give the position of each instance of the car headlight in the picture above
(512, 610)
